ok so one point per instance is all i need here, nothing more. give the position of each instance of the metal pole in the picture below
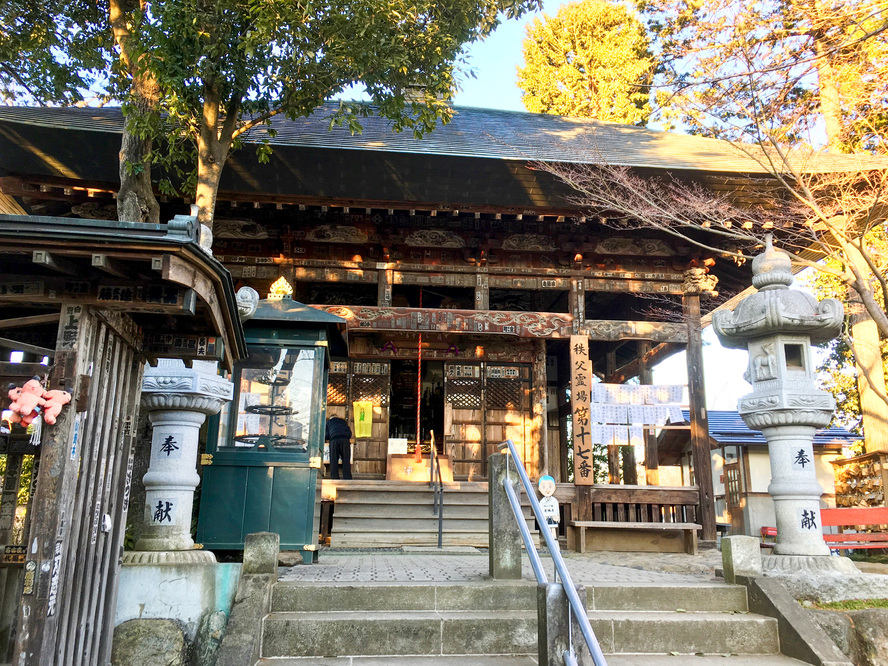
(417, 455)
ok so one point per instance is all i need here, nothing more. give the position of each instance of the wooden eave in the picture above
(77, 260)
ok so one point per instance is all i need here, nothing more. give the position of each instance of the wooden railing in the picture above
(634, 504)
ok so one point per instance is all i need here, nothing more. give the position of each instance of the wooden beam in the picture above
(34, 320)
(110, 266)
(700, 448)
(651, 453)
(53, 262)
(7, 343)
(650, 358)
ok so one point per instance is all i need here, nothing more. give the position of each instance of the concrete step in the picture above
(428, 633)
(431, 633)
(322, 597)
(519, 595)
(402, 486)
(399, 523)
(364, 539)
(384, 510)
(421, 498)
(531, 660)
(653, 597)
(686, 633)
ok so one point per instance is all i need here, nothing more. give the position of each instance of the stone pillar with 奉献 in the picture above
(777, 325)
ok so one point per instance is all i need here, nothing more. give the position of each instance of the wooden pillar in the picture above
(482, 290)
(9, 498)
(651, 454)
(630, 471)
(699, 423)
(385, 277)
(577, 299)
(539, 411)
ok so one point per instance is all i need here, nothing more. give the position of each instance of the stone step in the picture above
(652, 632)
(323, 597)
(422, 498)
(431, 633)
(402, 486)
(363, 539)
(531, 660)
(386, 510)
(399, 523)
(519, 595)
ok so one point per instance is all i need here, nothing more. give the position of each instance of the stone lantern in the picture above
(777, 325)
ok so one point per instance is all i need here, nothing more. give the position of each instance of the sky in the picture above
(494, 62)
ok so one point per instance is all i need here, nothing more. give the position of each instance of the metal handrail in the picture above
(573, 598)
(437, 484)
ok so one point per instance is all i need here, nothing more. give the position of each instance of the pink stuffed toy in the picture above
(26, 401)
(55, 400)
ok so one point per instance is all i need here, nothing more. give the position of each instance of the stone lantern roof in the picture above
(775, 308)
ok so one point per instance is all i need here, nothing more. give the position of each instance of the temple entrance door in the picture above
(733, 497)
(484, 405)
(370, 382)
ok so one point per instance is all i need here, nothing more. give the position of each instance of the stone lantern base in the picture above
(804, 565)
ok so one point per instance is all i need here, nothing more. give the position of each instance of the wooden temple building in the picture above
(463, 272)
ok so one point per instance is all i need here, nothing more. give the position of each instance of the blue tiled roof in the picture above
(727, 427)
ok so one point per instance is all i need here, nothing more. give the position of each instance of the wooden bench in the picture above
(874, 516)
(689, 530)
(856, 518)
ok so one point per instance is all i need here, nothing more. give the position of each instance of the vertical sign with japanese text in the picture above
(580, 397)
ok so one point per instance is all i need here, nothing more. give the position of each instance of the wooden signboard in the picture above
(580, 399)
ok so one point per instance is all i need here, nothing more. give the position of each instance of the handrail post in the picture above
(556, 624)
(505, 538)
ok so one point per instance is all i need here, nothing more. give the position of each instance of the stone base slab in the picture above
(804, 565)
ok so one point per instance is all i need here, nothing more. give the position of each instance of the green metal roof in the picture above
(485, 133)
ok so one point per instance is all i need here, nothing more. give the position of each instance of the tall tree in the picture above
(591, 59)
(219, 68)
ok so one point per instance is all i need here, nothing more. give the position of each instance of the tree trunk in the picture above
(870, 374)
(828, 85)
(213, 144)
(864, 331)
(135, 199)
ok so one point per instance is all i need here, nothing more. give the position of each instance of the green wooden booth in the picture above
(264, 451)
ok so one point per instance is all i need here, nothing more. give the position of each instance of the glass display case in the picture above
(260, 472)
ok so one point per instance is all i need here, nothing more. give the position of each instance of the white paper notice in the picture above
(621, 436)
(637, 414)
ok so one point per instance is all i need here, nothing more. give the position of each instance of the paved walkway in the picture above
(466, 565)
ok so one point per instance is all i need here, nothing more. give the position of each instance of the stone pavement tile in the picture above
(588, 569)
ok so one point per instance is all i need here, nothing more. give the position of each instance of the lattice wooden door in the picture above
(485, 404)
(370, 381)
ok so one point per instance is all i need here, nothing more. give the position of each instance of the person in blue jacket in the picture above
(339, 436)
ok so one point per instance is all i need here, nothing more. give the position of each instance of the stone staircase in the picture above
(379, 514)
(494, 624)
